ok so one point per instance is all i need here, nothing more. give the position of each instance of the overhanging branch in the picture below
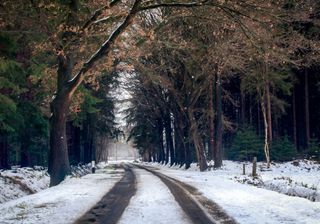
(98, 12)
(177, 4)
(105, 47)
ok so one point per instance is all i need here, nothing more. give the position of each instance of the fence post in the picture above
(244, 169)
(93, 167)
(254, 167)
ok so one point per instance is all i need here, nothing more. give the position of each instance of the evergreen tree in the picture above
(245, 145)
(314, 149)
(283, 150)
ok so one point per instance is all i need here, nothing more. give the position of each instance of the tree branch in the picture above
(98, 12)
(108, 19)
(106, 46)
(184, 5)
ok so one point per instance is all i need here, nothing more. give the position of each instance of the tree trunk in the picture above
(211, 114)
(218, 149)
(101, 146)
(243, 107)
(199, 148)
(187, 135)
(265, 122)
(87, 142)
(4, 152)
(269, 115)
(179, 141)
(24, 156)
(59, 165)
(169, 141)
(294, 115)
(250, 111)
(74, 145)
(160, 135)
(259, 120)
(306, 105)
(187, 155)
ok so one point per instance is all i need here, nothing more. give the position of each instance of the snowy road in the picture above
(156, 194)
(110, 208)
(153, 203)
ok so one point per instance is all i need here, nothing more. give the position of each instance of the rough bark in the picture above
(294, 117)
(200, 152)
(179, 141)
(268, 110)
(186, 135)
(306, 106)
(161, 157)
(58, 159)
(211, 115)
(218, 149)
(169, 141)
(265, 122)
(181, 147)
(87, 143)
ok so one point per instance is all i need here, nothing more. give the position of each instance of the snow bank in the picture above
(64, 203)
(21, 182)
(251, 204)
(296, 178)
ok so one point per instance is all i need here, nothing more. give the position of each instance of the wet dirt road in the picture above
(112, 205)
(196, 207)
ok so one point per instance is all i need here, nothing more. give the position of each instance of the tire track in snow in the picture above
(153, 203)
(112, 205)
(200, 209)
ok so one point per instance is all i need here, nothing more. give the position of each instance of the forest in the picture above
(207, 80)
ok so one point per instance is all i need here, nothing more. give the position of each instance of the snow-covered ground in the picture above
(301, 179)
(153, 203)
(21, 182)
(64, 203)
(250, 204)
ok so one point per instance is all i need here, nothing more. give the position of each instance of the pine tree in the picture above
(246, 145)
(314, 149)
(283, 150)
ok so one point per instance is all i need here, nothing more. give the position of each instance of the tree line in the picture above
(242, 86)
(202, 73)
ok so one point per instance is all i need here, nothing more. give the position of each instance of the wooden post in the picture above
(93, 167)
(254, 167)
(244, 169)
